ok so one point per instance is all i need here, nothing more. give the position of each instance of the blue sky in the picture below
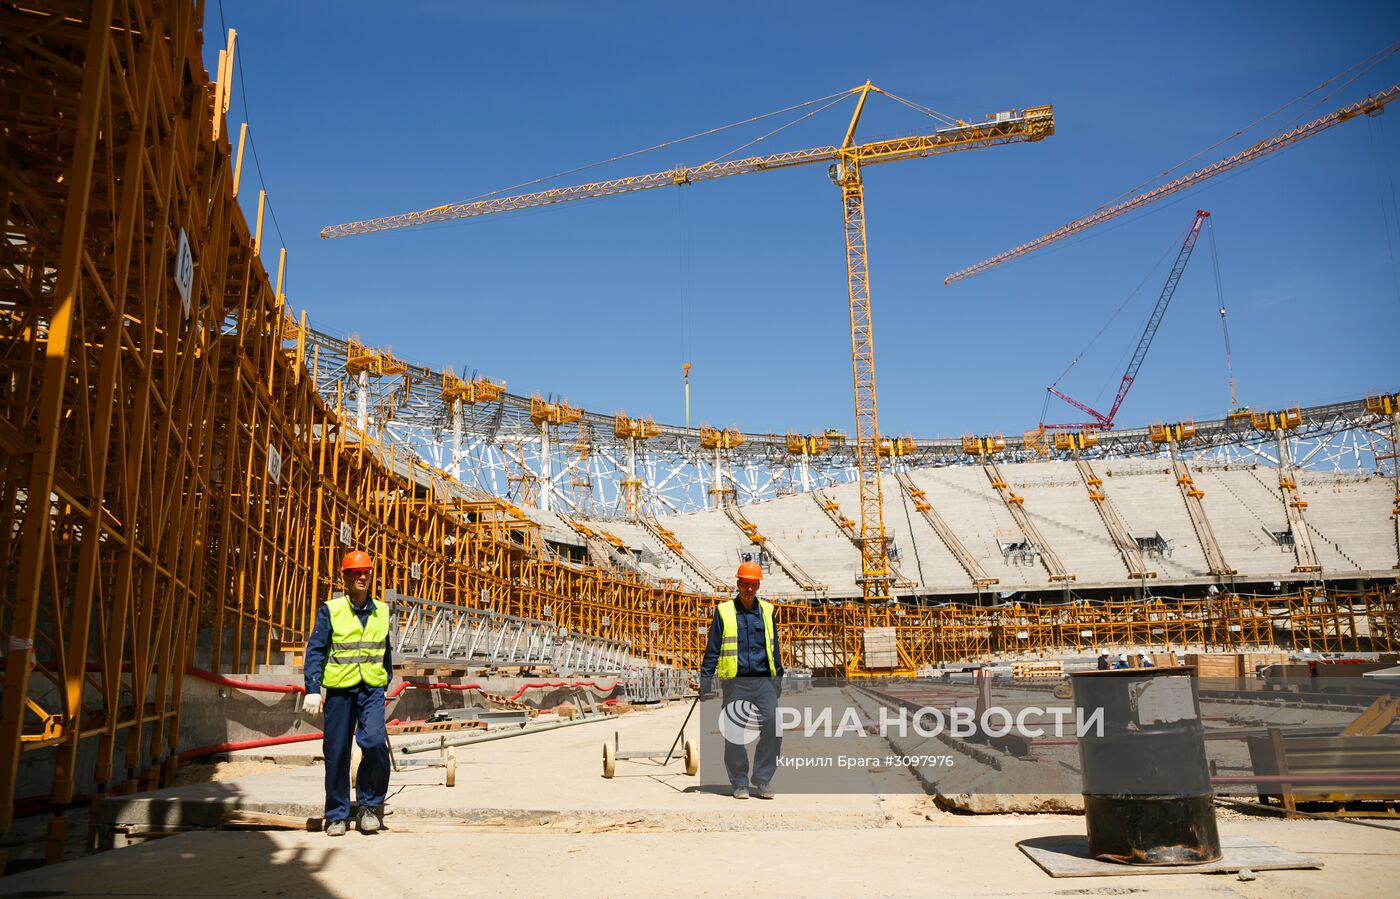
(360, 110)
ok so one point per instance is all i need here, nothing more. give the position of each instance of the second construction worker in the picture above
(348, 665)
(743, 655)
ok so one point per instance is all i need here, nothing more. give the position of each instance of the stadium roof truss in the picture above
(580, 467)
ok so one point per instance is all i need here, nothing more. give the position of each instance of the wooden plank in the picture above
(237, 817)
(1213, 664)
(1377, 717)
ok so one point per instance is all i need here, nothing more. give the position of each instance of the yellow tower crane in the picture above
(846, 161)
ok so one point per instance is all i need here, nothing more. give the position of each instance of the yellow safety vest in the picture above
(729, 638)
(356, 652)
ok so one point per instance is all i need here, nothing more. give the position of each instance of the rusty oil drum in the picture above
(1147, 793)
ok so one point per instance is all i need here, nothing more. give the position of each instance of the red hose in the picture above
(578, 683)
(248, 744)
(243, 685)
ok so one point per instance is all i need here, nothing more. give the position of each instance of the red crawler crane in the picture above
(1104, 422)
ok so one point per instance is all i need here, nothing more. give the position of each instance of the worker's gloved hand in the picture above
(707, 689)
(778, 687)
(311, 705)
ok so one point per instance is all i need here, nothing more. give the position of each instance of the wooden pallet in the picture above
(1050, 669)
(430, 727)
(410, 671)
(515, 671)
(498, 700)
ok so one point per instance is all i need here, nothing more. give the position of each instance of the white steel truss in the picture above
(496, 448)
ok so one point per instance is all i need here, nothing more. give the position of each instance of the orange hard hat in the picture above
(749, 571)
(356, 560)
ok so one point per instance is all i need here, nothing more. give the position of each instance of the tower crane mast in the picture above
(1102, 422)
(846, 161)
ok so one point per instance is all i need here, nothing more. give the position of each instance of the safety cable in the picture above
(1220, 304)
(1119, 311)
(660, 146)
(909, 522)
(1377, 132)
(764, 137)
(926, 110)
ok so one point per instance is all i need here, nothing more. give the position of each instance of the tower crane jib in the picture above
(1371, 106)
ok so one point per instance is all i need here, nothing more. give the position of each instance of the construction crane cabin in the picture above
(845, 162)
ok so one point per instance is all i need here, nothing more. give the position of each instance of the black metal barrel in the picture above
(1147, 793)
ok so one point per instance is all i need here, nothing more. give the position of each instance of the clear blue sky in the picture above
(361, 109)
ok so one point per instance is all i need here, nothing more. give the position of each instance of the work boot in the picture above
(336, 828)
(371, 818)
(763, 791)
(741, 792)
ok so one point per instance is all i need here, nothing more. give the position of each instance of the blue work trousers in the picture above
(763, 693)
(355, 713)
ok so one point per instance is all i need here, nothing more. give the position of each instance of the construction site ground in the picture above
(534, 816)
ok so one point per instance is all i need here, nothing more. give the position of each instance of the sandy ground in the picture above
(543, 821)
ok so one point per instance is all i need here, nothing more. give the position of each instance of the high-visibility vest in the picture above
(729, 638)
(357, 651)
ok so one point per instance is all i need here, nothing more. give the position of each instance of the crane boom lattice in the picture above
(1370, 106)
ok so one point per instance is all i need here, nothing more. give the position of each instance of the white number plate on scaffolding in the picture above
(184, 270)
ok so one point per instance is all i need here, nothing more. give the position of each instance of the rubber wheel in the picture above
(609, 760)
(692, 758)
(452, 767)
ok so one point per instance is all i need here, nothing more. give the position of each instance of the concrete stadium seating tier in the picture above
(1245, 510)
(717, 543)
(977, 515)
(652, 558)
(1057, 502)
(1145, 493)
(798, 525)
(1351, 521)
(923, 557)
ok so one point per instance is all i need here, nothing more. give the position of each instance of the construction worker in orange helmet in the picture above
(348, 664)
(743, 656)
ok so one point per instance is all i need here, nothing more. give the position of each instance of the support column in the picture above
(37, 533)
(1192, 495)
(630, 484)
(1293, 506)
(718, 489)
(362, 401)
(546, 492)
(456, 467)
(1395, 450)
